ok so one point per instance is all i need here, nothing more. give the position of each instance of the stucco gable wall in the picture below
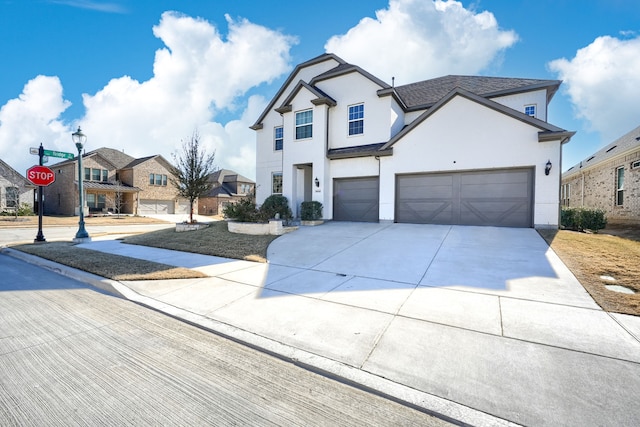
(351, 89)
(464, 135)
(11, 179)
(519, 100)
(599, 187)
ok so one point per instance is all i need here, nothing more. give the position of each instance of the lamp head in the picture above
(79, 138)
(547, 167)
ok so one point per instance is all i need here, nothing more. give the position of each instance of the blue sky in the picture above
(142, 75)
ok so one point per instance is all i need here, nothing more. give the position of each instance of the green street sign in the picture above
(61, 154)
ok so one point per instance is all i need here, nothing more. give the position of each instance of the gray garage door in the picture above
(150, 207)
(492, 197)
(356, 199)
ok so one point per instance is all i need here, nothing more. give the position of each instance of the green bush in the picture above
(311, 211)
(581, 219)
(23, 210)
(244, 210)
(276, 204)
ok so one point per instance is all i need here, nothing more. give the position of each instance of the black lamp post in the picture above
(79, 139)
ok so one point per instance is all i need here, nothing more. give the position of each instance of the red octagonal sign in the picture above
(40, 175)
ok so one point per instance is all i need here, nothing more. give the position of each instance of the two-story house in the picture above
(609, 180)
(114, 182)
(15, 189)
(227, 187)
(451, 150)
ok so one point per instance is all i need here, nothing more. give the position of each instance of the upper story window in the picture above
(619, 186)
(530, 110)
(565, 194)
(91, 174)
(356, 119)
(278, 138)
(157, 179)
(304, 124)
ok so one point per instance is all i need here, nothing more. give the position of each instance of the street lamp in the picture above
(79, 139)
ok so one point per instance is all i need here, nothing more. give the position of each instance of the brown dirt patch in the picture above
(590, 256)
(114, 267)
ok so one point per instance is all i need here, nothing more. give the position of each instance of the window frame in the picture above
(535, 110)
(11, 197)
(355, 117)
(277, 139)
(302, 127)
(619, 201)
(273, 182)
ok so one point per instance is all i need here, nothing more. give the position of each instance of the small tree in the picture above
(191, 171)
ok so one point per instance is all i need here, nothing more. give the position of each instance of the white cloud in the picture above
(603, 83)
(421, 39)
(197, 75)
(31, 119)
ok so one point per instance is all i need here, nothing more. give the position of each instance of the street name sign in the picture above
(52, 153)
(40, 175)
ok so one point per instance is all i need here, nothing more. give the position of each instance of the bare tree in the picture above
(117, 199)
(193, 165)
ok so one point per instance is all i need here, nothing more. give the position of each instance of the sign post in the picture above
(41, 176)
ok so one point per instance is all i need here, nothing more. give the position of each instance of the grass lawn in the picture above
(590, 256)
(214, 240)
(114, 267)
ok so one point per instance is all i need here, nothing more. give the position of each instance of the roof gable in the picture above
(322, 98)
(12, 175)
(547, 132)
(156, 157)
(317, 60)
(424, 94)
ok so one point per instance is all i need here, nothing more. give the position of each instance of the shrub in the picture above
(276, 204)
(244, 210)
(311, 211)
(581, 219)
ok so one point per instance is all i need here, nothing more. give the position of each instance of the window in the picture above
(12, 197)
(95, 174)
(304, 124)
(276, 183)
(635, 165)
(530, 110)
(565, 194)
(157, 179)
(278, 138)
(356, 119)
(619, 186)
(87, 174)
(105, 175)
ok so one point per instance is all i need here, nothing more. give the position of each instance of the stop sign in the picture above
(40, 175)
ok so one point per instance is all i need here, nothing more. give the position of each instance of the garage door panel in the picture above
(356, 199)
(151, 207)
(494, 197)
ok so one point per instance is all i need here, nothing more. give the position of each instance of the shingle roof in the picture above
(428, 92)
(625, 143)
(110, 186)
(116, 157)
(226, 175)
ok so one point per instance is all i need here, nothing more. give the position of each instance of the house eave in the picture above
(564, 136)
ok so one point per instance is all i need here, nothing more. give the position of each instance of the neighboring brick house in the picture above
(228, 186)
(112, 180)
(15, 189)
(608, 180)
(152, 175)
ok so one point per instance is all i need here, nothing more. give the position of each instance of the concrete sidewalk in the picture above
(484, 325)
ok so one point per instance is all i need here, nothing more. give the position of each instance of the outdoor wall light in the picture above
(317, 181)
(547, 167)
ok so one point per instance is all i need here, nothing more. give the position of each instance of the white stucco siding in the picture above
(464, 135)
(519, 100)
(352, 89)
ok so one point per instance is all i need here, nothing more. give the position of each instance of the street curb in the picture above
(439, 407)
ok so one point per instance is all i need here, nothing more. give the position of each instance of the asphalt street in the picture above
(70, 355)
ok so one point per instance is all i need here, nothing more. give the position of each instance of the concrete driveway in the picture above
(484, 325)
